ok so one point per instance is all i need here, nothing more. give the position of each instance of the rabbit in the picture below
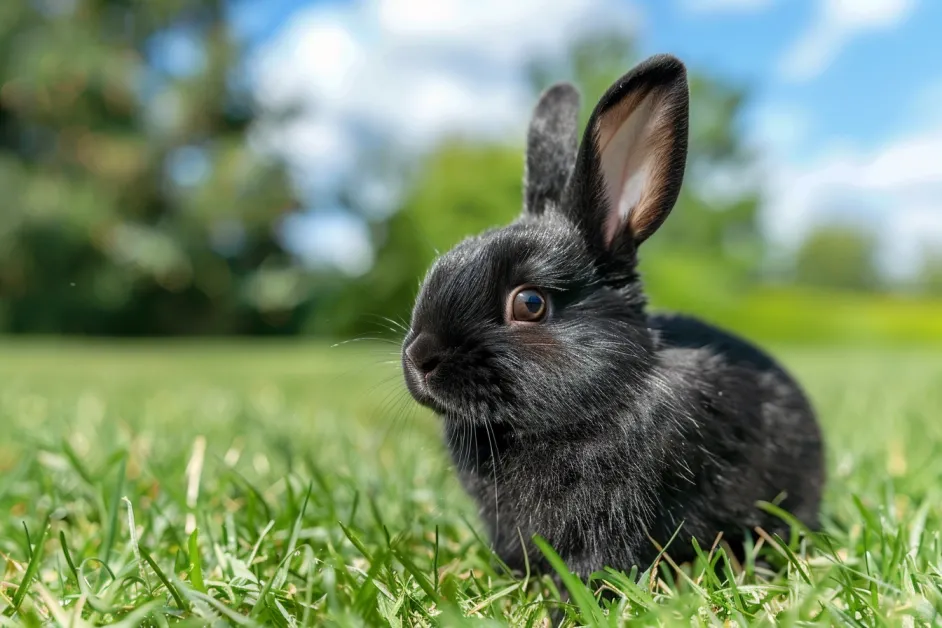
(568, 410)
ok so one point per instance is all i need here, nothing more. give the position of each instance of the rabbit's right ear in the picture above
(551, 147)
(631, 162)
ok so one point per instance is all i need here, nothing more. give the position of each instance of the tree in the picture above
(131, 201)
(838, 257)
(930, 276)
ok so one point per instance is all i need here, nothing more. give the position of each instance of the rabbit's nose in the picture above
(425, 352)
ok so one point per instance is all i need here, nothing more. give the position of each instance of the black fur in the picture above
(602, 425)
(552, 138)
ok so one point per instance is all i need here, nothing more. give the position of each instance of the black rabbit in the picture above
(569, 411)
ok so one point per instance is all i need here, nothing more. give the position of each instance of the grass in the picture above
(292, 484)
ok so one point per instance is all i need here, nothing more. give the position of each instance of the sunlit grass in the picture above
(297, 484)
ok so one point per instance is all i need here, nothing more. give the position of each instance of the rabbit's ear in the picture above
(631, 162)
(551, 147)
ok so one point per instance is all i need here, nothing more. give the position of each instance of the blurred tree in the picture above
(461, 189)
(464, 188)
(930, 277)
(838, 257)
(131, 201)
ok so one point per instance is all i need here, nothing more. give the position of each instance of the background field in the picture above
(86, 424)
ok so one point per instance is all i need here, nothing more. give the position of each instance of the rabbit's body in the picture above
(703, 454)
(569, 411)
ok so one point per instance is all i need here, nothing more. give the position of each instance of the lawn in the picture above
(294, 483)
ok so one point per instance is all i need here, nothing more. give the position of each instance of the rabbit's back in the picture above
(756, 429)
(687, 332)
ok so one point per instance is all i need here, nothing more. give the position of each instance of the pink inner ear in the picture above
(625, 152)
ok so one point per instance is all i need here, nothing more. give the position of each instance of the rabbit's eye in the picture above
(527, 305)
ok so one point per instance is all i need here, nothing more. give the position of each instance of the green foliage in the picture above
(930, 278)
(293, 484)
(798, 315)
(838, 257)
(131, 201)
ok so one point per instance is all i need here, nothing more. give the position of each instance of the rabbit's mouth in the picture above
(418, 383)
(422, 357)
(450, 380)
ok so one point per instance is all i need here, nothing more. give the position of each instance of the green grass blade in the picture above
(585, 600)
(68, 555)
(181, 604)
(29, 543)
(261, 602)
(113, 511)
(33, 567)
(196, 562)
(357, 543)
(416, 573)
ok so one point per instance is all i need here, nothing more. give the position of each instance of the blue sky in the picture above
(866, 93)
(846, 94)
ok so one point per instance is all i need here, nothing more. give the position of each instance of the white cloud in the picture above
(836, 23)
(404, 73)
(409, 71)
(332, 237)
(726, 6)
(501, 31)
(783, 128)
(896, 189)
(318, 149)
(777, 134)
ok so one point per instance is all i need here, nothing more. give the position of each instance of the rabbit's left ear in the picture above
(551, 147)
(631, 163)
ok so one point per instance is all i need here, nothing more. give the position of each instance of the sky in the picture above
(845, 107)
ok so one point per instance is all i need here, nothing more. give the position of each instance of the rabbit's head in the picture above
(541, 324)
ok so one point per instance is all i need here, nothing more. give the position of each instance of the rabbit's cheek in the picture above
(535, 343)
